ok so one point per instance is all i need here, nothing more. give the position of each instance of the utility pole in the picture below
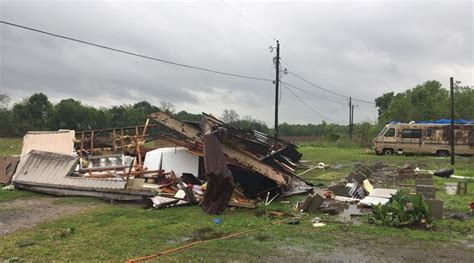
(277, 82)
(351, 110)
(451, 80)
(352, 119)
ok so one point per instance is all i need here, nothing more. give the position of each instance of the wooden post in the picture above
(82, 143)
(92, 143)
(121, 140)
(452, 137)
(113, 141)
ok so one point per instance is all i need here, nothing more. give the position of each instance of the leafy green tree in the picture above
(126, 115)
(427, 101)
(383, 102)
(8, 126)
(249, 123)
(186, 116)
(33, 113)
(145, 107)
(72, 114)
(332, 133)
(4, 100)
(464, 101)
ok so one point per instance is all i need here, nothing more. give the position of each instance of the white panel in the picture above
(61, 141)
(180, 161)
(383, 192)
(153, 160)
(372, 201)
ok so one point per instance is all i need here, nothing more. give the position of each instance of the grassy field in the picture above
(117, 232)
(10, 146)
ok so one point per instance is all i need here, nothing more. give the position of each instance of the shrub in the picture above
(404, 210)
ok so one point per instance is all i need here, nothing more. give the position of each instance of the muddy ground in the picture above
(382, 249)
(27, 213)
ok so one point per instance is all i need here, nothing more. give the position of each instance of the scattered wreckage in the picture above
(211, 163)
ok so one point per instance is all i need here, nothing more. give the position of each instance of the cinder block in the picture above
(425, 188)
(436, 207)
(425, 176)
(358, 177)
(427, 195)
(316, 203)
(339, 190)
(423, 181)
(312, 203)
(350, 177)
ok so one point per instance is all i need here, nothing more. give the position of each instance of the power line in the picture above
(250, 21)
(315, 94)
(307, 105)
(136, 54)
(330, 91)
(317, 86)
(289, 51)
(332, 99)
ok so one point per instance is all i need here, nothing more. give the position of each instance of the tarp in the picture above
(440, 121)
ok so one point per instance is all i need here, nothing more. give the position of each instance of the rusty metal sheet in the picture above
(8, 166)
(61, 142)
(220, 182)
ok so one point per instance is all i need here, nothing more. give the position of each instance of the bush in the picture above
(404, 210)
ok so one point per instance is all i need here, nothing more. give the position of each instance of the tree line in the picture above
(426, 101)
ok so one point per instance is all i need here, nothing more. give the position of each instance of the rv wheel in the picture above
(388, 151)
(442, 153)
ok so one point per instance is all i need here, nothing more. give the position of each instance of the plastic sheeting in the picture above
(177, 159)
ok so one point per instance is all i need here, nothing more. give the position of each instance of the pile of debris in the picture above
(210, 163)
(357, 189)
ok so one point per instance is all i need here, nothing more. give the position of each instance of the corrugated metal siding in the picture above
(50, 141)
(52, 169)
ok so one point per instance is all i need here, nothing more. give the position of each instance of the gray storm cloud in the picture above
(359, 49)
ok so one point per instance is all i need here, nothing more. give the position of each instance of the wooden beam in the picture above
(245, 160)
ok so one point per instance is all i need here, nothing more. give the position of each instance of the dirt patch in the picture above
(27, 213)
(380, 249)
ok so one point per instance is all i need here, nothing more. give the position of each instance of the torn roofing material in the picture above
(51, 173)
(61, 141)
(8, 166)
(249, 153)
(220, 182)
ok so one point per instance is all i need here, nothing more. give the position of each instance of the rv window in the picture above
(390, 132)
(382, 132)
(428, 132)
(411, 133)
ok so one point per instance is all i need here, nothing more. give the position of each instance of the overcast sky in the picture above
(354, 48)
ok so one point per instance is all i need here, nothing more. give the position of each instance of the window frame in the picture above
(388, 130)
(419, 133)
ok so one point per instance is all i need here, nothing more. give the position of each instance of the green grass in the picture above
(118, 232)
(7, 195)
(10, 146)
